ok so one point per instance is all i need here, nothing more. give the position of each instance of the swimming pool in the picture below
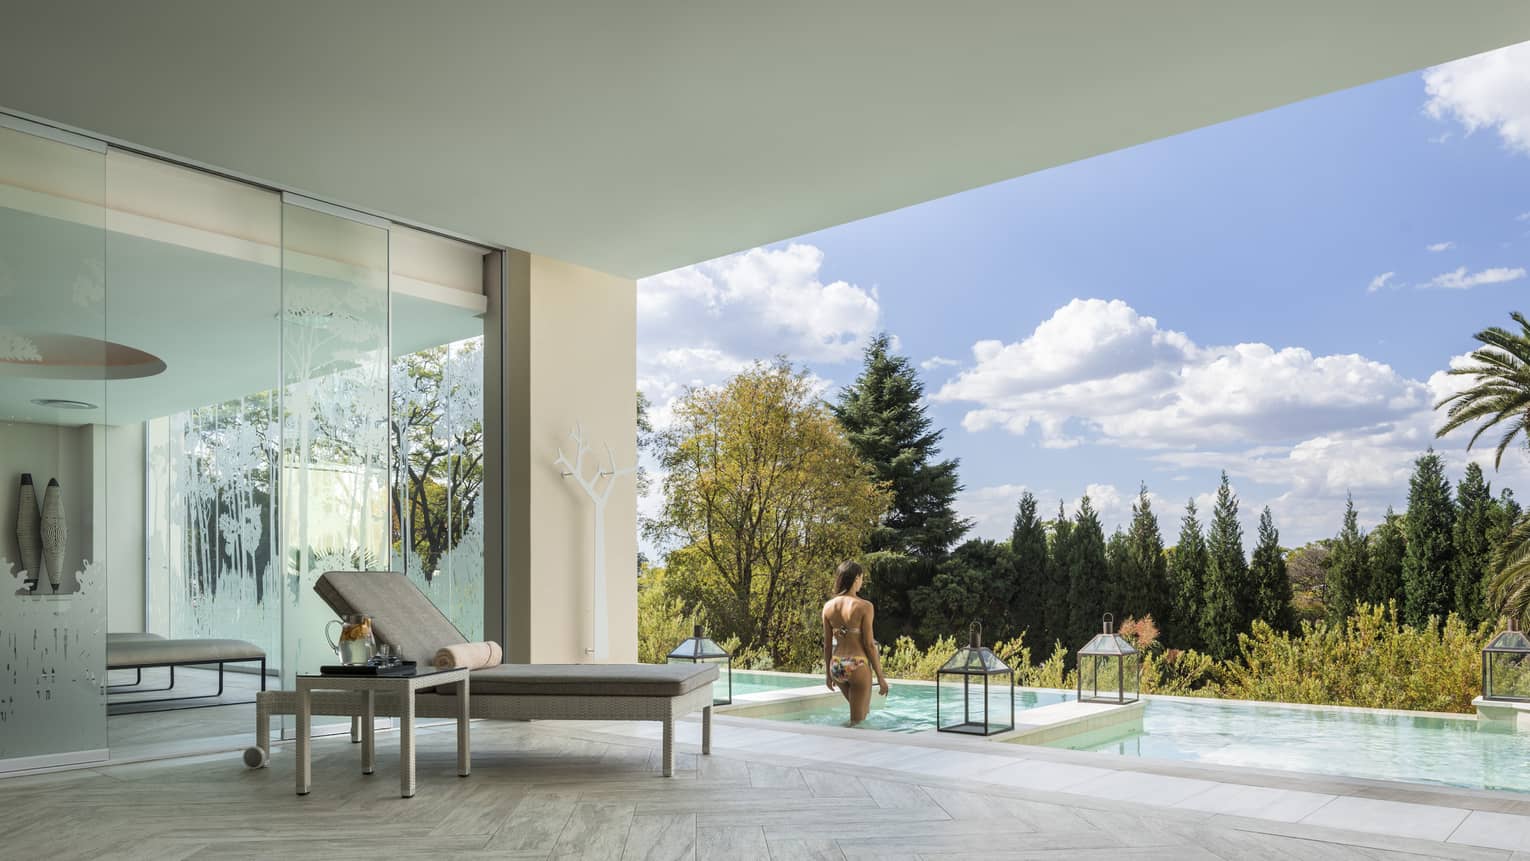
(908, 707)
(1337, 741)
(755, 682)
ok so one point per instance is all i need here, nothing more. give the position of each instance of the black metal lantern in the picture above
(1506, 667)
(699, 649)
(1109, 667)
(971, 663)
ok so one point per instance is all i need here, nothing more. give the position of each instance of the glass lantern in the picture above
(700, 649)
(974, 664)
(1109, 668)
(1506, 667)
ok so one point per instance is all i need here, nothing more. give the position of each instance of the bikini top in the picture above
(843, 631)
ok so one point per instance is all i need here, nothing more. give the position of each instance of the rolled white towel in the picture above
(471, 655)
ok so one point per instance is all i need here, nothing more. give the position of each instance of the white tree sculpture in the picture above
(599, 493)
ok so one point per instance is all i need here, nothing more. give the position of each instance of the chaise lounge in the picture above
(402, 617)
(142, 651)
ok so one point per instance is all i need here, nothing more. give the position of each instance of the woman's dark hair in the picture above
(845, 576)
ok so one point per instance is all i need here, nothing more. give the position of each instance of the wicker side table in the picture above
(404, 688)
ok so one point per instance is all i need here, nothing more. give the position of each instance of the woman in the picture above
(849, 652)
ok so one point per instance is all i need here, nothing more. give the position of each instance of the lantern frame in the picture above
(1102, 649)
(973, 661)
(1512, 644)
(701, 649)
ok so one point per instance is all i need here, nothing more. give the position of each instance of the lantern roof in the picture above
(1108, 643)
(698, 646)
(975, 659)
(1512, 640)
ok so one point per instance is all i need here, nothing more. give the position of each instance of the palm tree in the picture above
(1500, 394)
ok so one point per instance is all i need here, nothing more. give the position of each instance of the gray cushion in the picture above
(612, 680)
(402, 617)
(143, 653)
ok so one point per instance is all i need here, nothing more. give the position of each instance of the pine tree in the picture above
(883, 416)
(1227, 606)
(1055, 614)
(1427, 525)
(1267, 571)
(1028, 555)
(1349, 567)
(1144, 572)
(1470, 544)
(1086, 571)
(1387, 548)
(1113, 588)
(1187, 583)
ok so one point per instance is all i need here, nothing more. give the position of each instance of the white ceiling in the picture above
(637, 137)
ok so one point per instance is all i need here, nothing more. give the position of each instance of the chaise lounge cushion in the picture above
(402, 617)
(611, 680)
(145, 653)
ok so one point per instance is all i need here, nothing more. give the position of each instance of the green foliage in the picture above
(1225, 611)
(1055, 598)
(1349, 567)
(1388, 548)
(1142, 571)
(1307, 568)
(1501, 392)
(1267, 573)
(1427, 526)
(1028, 566)
(1371, 661)
(1469, 544)
(974, 583)
(1187, 581)
(663, 621)
(1086, 573)
(883, 417)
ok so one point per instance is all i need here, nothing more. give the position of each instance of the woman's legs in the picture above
(858, 693)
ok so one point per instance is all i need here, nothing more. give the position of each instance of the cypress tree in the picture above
(1187, 583)
(1225, 612)
(1267, 571)
(1086, 571)
(1028, 556)
(1055, 614)
(1113, 590)
(883, 415)
(1144, 571)
(1349, 567)
(1388, 546)
(1427, 526)
(1470, 544)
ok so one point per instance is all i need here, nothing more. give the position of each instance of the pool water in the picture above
(911, 708)
(1346, 742)
(754, 682)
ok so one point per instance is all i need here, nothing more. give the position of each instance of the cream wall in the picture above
(571, 356)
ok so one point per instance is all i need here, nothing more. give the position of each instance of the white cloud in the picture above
(1099, 371)
(1460, 279)
(1380, 282)
(992, 509)
(1523, 216)
(936, 362)
(1485, 91)
(1437, 247)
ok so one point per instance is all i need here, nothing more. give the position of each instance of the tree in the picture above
(1056, 614)
(1388, 547)
(1501, 391)
(1349, 568)
(1143, 572)
(1086, 573)
(1112, 587)
(1228, 601)
(1187, 581)
(1267, 571)
(1028, 561)
(1307, 568)
(883, 416)
(1427, 526)
(973, 583)
(764, 496)
(1469, 544)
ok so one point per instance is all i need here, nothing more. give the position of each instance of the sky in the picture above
(1277, 296)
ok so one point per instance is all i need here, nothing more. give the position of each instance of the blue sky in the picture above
(1215, 300)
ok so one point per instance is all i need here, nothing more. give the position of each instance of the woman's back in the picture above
(844, 615)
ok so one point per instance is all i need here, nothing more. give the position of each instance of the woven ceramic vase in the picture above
(28, 539)
(55, 533)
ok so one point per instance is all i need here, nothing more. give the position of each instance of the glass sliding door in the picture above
(54, 363)
(334, 507)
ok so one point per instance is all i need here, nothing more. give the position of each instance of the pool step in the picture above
(1047, 724)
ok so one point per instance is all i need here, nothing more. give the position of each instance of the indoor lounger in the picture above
(139, 652)
(402, 617)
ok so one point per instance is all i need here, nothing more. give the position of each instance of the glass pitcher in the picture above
(357, 645)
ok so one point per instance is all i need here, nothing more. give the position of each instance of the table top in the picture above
(424, 672)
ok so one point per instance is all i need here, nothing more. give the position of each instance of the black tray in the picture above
(403, 668)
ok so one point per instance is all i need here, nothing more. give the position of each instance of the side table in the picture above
(404, 689)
